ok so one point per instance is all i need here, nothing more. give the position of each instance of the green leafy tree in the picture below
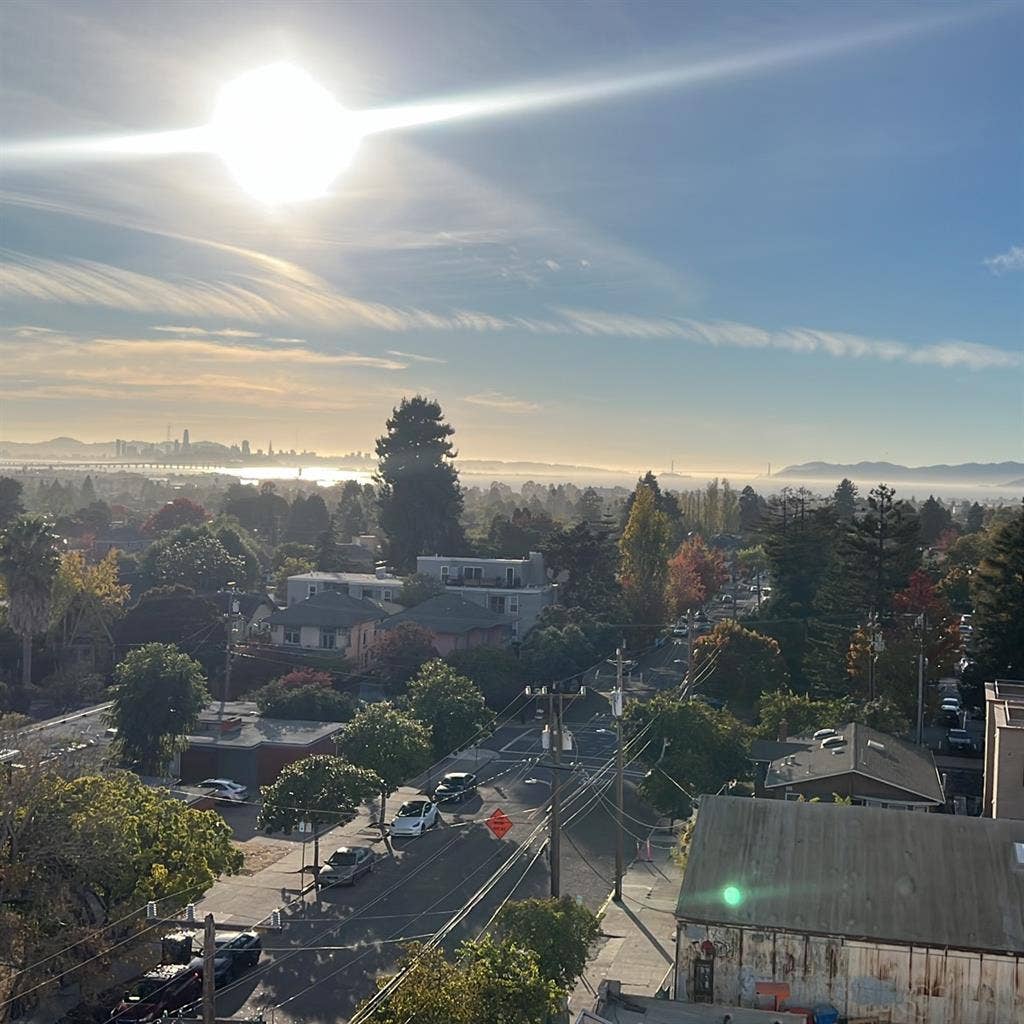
(175, 615)
(242, 546)
(193, 557)
(693, 749)
(559, 932)
(741, 663)
(10, 501)
(449, 704)
(388, 742)
(845, 500)
(489, 982)
(175, 514)
(751, 508)
(86, 601)
(84, 852)
(310, 703)
(419, 498)
(999, 602)
(564, 643)
(323, 789)
(398, 653)
(158, 697)
(290, 567)
(28, 564)
(419, 587)
(583, 561)
(284, 552)
(308, 518)
(966, 552)
(495, 671)
(352, 515)
(782, 713)
(590, 507)
(644, 549)
(517, 535)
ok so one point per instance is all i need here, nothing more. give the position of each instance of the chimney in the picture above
(382, 572)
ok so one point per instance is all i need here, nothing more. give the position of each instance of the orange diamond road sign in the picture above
(499, 823)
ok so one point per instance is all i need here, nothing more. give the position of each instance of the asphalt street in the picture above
(326, 959)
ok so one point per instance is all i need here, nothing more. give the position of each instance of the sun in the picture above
(282, 136)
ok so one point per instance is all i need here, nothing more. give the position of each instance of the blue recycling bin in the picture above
(825, 1014)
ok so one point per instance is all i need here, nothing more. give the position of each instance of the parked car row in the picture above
(171, 987)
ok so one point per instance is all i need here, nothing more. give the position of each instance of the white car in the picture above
(414, 817)
(226, 789)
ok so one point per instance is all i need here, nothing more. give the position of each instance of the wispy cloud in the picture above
(840, 345)
(1007, 262)
(415, 356)
(206, 332)
(502, 403)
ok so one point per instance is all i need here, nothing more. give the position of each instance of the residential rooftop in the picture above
(239, 725)
(333, 609)
(346, 577)
(447, 613)
(866, 752)
(870, 873)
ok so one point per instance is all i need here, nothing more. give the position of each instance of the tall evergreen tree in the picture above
(419, 497)
(752, 507)
(883, 547)
(845, 500)
(10, 500)
(975, 518)
(351, 516)
(666, 504)
(934, 518)
(999, 602)
(644, 549)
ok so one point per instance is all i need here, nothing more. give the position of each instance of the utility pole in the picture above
(689, 651)
(209, 949)
(232, 603)
(556, 799)
(617, 709)
(923, 623)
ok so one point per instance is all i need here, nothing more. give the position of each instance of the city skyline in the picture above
(721, 257)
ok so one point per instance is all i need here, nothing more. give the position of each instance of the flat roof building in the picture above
(1003, 795)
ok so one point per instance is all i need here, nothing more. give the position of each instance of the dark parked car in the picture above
(159, 991)
(455, 786)
(958, 741)
(235, 952)
(345, 865)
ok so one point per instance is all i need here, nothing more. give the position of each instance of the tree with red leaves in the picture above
(175, 514)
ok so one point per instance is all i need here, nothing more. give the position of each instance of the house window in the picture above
(311, 590)
(513, 604)
(328, 639)
(445, 572)
(473, 572)
(515, 629)
(497, 604)
(510, 576)
(385, 595)
(292, 637)
(355, 591)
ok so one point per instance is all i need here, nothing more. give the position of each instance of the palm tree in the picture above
(28, 563)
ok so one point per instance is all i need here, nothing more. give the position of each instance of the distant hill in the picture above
(993, 474)
(57, 448)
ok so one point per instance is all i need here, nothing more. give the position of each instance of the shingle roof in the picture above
(867, 752)
(333, 608)
(862, 872)
(448, 613)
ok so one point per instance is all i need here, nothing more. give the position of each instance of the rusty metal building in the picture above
(890, 916)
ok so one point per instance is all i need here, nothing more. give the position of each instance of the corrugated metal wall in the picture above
(863, 980)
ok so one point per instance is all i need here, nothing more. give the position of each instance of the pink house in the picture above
(455, 623)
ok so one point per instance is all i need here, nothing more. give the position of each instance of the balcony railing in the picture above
(484, 581)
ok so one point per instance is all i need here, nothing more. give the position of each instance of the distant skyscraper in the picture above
(270, 447)
(184, 439)
(176, 446)
(245, 448)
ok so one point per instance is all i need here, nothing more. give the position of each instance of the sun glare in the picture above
(282, 136)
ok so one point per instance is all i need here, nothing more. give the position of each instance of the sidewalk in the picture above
(251, 899)
(640, 946)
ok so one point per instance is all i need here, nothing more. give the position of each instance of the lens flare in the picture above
(282, 136)
(732, 895)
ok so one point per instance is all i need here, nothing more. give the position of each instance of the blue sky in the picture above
(805, 243)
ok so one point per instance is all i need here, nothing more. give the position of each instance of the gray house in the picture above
(331, 623)
(380, 586)
(886, 915)
(516, 588)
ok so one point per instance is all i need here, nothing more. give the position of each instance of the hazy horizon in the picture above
(643, 234)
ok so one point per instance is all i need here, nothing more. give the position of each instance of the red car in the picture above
(159, 991)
